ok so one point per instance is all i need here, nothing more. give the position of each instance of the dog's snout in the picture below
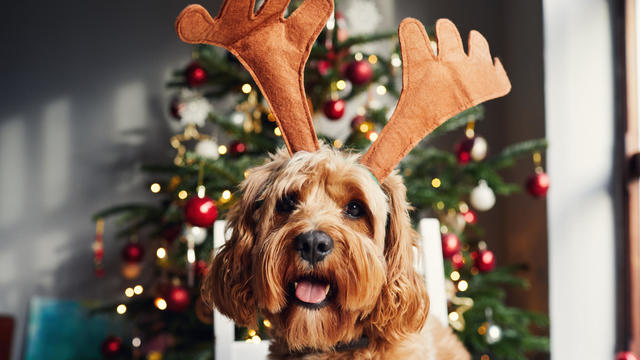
(314, 246)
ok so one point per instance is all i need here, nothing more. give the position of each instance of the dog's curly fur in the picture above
(375, 291)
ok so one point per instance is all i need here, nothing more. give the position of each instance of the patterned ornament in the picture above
(450, 245)
(195, 75)
(482, 197)
(200, 211)
(334, 109)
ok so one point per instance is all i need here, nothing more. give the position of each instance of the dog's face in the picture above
(321, 250)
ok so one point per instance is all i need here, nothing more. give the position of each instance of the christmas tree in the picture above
(227, 129)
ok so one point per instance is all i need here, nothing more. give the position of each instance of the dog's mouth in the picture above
(311, 292)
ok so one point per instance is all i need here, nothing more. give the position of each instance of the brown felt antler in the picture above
(434, 88)
(273, 49)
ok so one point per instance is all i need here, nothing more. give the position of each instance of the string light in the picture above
(455, 276)
(463, 285)
(222, 149)
(226, 195)
(182, 194)
(365, 127)
(138, 289)
(440, 205)
(454, 316)
(337, 143)
(136, 342)
(160, 303)
(482, 329)
(246, 88)
(266, 323)
(373, 59)
(252, 333)
(436, 183)
(381, 90)
(155, 188)
(395, 60)
(372, 136)
(121, 309)
(271, 117)
(128, 292)
(463, 207)
(341, 84)
(358, 56)
(277, 131)
(485, 357)
(161, 253)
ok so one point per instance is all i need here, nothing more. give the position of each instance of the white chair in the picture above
(429, 264)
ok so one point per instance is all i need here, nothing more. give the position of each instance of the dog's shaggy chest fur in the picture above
(325, 253)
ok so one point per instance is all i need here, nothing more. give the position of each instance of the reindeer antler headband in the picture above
(275, 50)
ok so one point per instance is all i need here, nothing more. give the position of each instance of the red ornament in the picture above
(470, 217)
(133, 253)
(626, 355)
(201, 268)
(485, 260)
(359, 72)
(538, 184)
(357, 121)
(463, 150)
(177, 298)
(200, 212)
(237, 148)
(195, 75)
(450, 244)
(176, 106)
(323, 67)
(457, 261)
(111, 346)
(334, 109)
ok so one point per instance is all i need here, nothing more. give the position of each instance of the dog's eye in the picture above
(287, 204)
(354, 209)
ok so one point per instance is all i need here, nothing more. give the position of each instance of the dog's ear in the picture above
(227, 285)
(403, 304)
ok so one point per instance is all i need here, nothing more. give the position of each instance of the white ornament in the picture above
(479, 148)
(362, 16)
(482, 197)
(207, 149)
(494, 334)
(196, 234)
(237, 118)
(195, 109)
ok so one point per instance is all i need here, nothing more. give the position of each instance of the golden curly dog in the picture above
(326, 254)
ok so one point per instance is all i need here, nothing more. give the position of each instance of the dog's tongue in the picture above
(311, 293)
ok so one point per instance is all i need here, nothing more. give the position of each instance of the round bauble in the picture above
(200, 211)
(493, 334)
(207, 149)
(357, 121)
(360, 72)
(485, 260)
(479, 148)
(195, 75)
(177, 298)
(626, 355)
(111, 346)
(323, 67)
(334, 109)
(482, 197)
(450, 244)
(131, 271)
(470, 217)
(196, 234)
(463, 150)
(538, 184)
(202, 267)
(132, 253)
(457, 261)
(237, 148)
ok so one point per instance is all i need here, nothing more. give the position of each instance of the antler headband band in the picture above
(434, 87)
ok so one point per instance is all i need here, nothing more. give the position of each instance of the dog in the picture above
(326, 254)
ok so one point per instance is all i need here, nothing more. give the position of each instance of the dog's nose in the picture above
(314, 246)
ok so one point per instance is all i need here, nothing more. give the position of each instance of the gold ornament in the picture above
(177, 142)
(254, 110)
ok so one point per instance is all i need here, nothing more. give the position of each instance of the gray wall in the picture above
(81, 106)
